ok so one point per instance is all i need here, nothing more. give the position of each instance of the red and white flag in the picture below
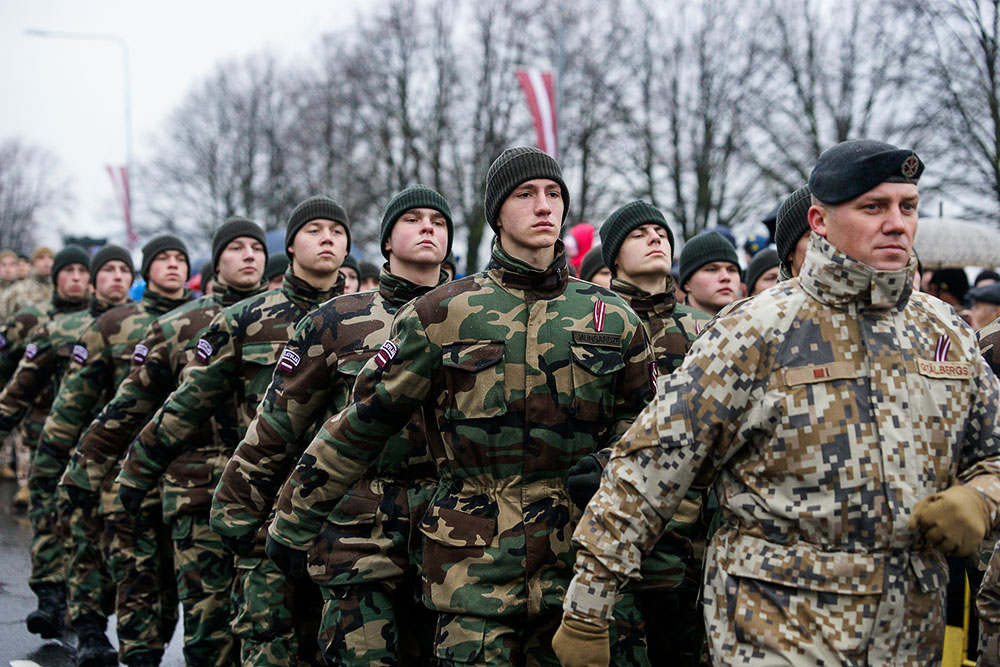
(539, 88)
(119, 181)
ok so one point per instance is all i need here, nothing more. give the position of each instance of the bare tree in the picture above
(29, 188)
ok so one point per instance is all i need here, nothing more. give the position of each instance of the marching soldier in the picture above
(519, 371)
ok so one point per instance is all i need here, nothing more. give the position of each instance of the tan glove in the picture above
(582, 644)
(955, 520)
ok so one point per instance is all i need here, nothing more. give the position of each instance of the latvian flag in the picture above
(139, 354)
(385, 354)
(539, 88)
(941, 351)
(80, 354)
(289, 360)
(599, 309)
(204, 350)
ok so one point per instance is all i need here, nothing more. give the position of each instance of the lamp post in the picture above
(98, 37)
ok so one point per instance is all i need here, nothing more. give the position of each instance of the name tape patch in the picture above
(956, 370)
(80, 354)
(289, 360)
(204, 350)
(385, 354)
(599, 339)
(30, 351)
(139, 354)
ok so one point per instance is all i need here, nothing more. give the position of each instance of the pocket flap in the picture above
(598, 360)
(354, 510)
(472, 356)
(351, 363)
(457, 528)
(263, 353)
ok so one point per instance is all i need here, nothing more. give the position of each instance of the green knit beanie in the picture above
(351, 263)
(415, 196)
(761, 262)
(703, 249)
(792, 222)
(161, 244)
(71, 254)
(233, 228)
(276, 266)
(592, 262)
(621, 223)
(106, 254)
(513, 167)
(317, 207)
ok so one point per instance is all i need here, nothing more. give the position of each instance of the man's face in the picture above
(602, 277)
(241, 263)
(713, 286)
(531, 216)
(8, 268)
(23, 268)
(112, 281)
(319, 247)
(71, 281)
(168, 271)
(767, 279)
(983, 313)
(876, 228)
(420, 236)
(351, 281)
(43, 265)
(645, 252)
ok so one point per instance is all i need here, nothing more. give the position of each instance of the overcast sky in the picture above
(67, 95)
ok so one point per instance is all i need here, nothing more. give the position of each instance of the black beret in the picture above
(986, 274)
(987, 293)
(852, 168)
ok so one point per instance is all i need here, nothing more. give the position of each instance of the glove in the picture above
(131, 499)
(582, 643)
(241, 546)
(955, 520)
(290, 561)
(81, 498)
(584, 478)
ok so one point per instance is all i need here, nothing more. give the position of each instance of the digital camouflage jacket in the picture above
(168, 346)
(313, 382)
(32, 291)
(99, 365)
(235, 359)
(824, 409)
(520, 373)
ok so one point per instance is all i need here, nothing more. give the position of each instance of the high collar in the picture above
(45, 279)
(515, 274)
(62, 305)
(99, 306)
(642, 302)
(398, 290)
(227, 295)
(833, 278)
(305, 295)
(160, 304)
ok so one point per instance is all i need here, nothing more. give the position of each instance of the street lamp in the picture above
(97, 37)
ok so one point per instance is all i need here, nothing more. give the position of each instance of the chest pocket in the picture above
(259, 360)
(349, 366)
(593, 371)
(474, 380)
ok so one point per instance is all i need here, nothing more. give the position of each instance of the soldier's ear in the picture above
(818, 219)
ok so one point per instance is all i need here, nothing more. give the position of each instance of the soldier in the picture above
(369, 276)
(236, 359)
(985, 305)
(594, 270)
(792, 232)
(146, 603)
(849, 426)
(519, 371)
(710, 272)
(362, 588)
(33, 290)
(204, 569)
(351, 272)
(274, 270)
(763, 271)
(8, 269)
(25, 397)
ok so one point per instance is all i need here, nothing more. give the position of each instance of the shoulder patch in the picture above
(205, 350)
(30, 351)
(386, 354)
(80, 354)
(139, 354)
(289, 361)
(3, 342)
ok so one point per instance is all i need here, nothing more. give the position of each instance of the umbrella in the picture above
(948, 242)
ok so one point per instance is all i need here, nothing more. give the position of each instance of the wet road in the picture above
(18, 647)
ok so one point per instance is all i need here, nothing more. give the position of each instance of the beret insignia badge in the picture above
(910, 166)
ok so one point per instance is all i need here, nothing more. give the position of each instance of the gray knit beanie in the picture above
(415, 196)
(703, 249)
(592, 262)
(106, 254)
(276, 266)
(761, 262)
(233, 228)
(621, 223)
(513, 167)
(315, 208)
(792, 223)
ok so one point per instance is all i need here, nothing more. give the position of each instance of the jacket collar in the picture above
(399, 291)
(644, 303)
(833, 278)
(515, 274)
(305, 295)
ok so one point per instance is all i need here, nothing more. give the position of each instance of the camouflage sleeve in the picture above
(209, 380)
(13, 341)
(135, 401)
(33, 373)
(979, 463)
(698, 420)
(75, 404)
(293, 403)
(391, 387)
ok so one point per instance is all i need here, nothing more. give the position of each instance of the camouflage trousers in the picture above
(276, 620)
(204, 570)
(89, 587)
(48, 538)
(756, 622)
(140, 557)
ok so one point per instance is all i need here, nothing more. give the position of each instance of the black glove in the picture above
(584, 478)
(241, 546)
(290, 561)
(131, 500)
(81, 498)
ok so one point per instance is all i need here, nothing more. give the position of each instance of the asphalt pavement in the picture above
(18, 647)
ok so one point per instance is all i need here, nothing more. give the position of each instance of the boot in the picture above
(47, 620)
(93, 648)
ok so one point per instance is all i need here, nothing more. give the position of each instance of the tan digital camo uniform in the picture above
(315, 380)
(826, 408)
(521, 372)
(145, 591)
(34, 290)
(236, 358)
(204, 569)
(988, 598)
